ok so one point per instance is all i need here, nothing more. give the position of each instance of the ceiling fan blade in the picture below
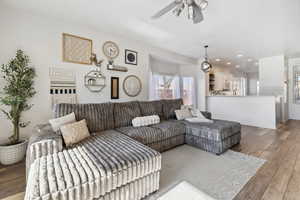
(198, 15)
(166, 9)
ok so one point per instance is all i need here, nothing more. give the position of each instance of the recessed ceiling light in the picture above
(237, 66)
(239, 55)
(229, 63)
(250, 60)
(256, 63)
(218, 59)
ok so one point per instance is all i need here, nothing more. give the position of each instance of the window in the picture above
(173, 87)
(165, 87)
(188, 90)
(297, 84)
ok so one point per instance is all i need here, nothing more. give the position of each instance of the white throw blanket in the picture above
(198, 117)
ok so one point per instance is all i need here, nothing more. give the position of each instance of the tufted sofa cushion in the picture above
(98, 116)
(124, 113)
(152, 108)
(169, 107)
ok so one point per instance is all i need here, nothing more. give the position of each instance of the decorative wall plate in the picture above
(131, 57)
(111, 50)
(132, 86)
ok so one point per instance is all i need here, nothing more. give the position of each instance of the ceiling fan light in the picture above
(203, 5)
(178, 10)
(190, 12)
(205, 65)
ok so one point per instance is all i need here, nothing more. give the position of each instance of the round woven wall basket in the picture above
(13, 153)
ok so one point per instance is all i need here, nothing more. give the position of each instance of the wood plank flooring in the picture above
(277, 179)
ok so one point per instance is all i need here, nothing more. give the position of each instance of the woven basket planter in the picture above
(13, 153)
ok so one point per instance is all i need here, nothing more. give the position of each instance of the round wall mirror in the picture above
(132, 86)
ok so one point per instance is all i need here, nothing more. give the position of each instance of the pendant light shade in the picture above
(205, 65)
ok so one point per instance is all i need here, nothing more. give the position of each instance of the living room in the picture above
(196, 100)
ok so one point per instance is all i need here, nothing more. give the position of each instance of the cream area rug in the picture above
(221, 177)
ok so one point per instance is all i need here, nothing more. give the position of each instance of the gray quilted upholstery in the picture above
(169, 107)
(217, 131)
(152, 108)
(217, 147)
(215, 138)
(125, 112)
(42, 142)
(157, 134)
(206, 114)
(94, 168)
(115, 164)
(145, 135)
(170, 128)
(98, 116)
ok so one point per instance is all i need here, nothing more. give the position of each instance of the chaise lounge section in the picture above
(118, 161)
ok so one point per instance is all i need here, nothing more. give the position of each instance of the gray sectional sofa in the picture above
(118, 161)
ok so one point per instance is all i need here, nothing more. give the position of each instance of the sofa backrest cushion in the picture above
(124, 113)
(98, 117)
(169, 107)
(151, 108)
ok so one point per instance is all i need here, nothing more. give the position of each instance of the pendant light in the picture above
(205, 65)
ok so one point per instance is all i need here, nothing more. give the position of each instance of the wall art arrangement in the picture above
(132, 86)
(77, 49)
(94, 80)
(111, 51)
(115, 88)
(62, 86)
(131, 57)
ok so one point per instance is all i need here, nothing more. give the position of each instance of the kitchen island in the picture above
(259, 111)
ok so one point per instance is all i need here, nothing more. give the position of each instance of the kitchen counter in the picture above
(259, 111)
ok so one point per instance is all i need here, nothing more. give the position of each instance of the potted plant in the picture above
(19, 78)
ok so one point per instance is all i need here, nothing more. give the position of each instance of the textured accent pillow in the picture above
(145, 121)
(59, 122)
(183, 114)
(75, 132)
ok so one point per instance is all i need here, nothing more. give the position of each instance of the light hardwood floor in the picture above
(277, 179)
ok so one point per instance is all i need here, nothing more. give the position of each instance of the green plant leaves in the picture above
(19, 88)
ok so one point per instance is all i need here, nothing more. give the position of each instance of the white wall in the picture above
(41, 39)
(273, 80)
(294, 109)
(252, 78)
(271, 75)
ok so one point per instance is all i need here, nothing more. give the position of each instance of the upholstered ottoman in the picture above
(214, 137)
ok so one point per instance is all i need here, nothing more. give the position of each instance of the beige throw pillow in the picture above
(183, 114)
(75, 132)
(59, 122)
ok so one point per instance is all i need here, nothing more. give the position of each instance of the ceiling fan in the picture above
(194, 9)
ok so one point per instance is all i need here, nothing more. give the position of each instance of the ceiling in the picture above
(252, 28)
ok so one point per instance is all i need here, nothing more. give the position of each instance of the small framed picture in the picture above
(114, 87)
(131, 57)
